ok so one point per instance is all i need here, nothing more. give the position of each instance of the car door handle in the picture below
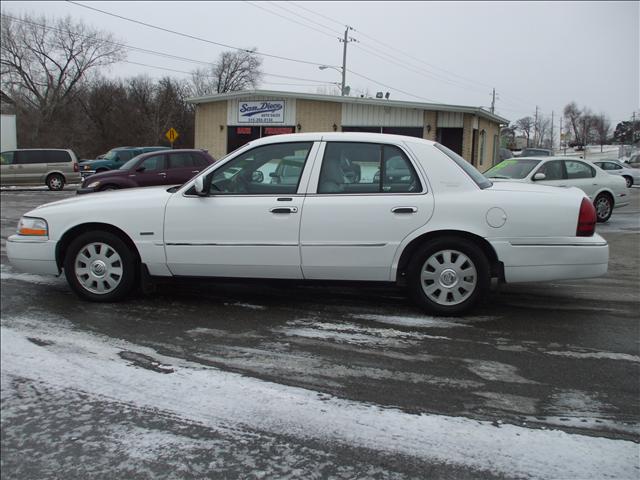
(284, 210)
(195, 171)
(404, 210)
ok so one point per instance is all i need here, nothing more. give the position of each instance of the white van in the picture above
(39, 166)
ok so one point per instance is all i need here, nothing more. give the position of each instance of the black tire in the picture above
(604, 207)
(125, 270)
(474, 265)
(629, 181)
(109, 187)
(55, 182)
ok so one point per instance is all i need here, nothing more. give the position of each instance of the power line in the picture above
(193, 37)
(305, 18)
(148, 51)
(388, 86)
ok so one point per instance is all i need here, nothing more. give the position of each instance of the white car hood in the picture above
(107, 200)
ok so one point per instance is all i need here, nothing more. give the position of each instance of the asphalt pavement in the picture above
(208, 379)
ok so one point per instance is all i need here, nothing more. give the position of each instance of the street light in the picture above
(341, 71)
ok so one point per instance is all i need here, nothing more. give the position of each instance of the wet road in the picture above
(262, 380)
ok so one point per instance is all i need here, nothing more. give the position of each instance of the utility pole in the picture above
(552, 131)
(633, 128)
(535, 129)
(346, 40)
(493, 101)
(560, 144)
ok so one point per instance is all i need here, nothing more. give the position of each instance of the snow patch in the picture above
(598, 355)
(6, 273)
(217, 399)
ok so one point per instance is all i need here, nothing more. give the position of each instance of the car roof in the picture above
(37, 150)
(338, 136)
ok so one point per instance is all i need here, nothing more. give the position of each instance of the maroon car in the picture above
(167, 167)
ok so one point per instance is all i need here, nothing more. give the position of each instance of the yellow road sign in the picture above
(172, 135)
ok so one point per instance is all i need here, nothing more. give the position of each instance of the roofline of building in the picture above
(481, 112)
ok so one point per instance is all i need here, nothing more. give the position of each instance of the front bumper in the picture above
(86, 173)
(33, 254)
(540, 259)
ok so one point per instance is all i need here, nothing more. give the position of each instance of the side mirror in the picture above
(539, 176)
(140, 169)
(257, 177)
(199, 186)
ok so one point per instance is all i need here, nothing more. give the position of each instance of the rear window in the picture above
(476, 176)
(512, 168)
(57, 156)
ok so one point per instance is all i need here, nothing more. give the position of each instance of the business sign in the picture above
(261, 112)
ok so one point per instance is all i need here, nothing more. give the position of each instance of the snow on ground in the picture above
(71, 360)
(7, 273)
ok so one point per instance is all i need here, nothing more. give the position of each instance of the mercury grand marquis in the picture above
(441, 228)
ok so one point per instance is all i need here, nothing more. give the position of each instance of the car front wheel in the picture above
(629, 181)
(100, 267)
(448, 275)
(604, 207)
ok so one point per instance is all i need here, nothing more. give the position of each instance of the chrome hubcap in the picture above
(448, 277)
(98, 268)
(55, 182)
(602, 207)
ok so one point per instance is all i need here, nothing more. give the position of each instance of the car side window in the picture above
(56, 156)
(579, 170)
(156, 162)
(552, 170)
(199, 160)
(357, 168)
(265, 170)
(614, 166)
(6, 158)
(180, 160)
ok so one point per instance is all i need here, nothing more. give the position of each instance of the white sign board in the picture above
(267, 111)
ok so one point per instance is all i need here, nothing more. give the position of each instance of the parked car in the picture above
(114, 159)
(443, 235)
(605, 191)
(173, 167)
(633, 161)
(615, 167)
(505, 153)
(536, 152)
(39, 166)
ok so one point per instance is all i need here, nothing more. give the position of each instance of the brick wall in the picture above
(467, 136)
(430, 118)
(315, 116)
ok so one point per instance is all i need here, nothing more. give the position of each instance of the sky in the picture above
(535, 54)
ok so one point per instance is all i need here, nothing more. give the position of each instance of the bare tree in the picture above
(544, 129)
(43, 62)
(525, 125)
(573, 115)
(602, 127)
(233, 71)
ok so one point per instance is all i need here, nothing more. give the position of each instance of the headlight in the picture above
(33, 227)
(93, 184)
(87, 167)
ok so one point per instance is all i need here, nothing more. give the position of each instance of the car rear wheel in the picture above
(604, 207)
(55, 181)
(629, 181)
(100, 267)
(448, 275)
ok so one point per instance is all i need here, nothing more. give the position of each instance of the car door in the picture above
(352, 226)
(246, 226)
(182, 166)
(151, 171)
(29, 166)
(583, 176)
(7, 168)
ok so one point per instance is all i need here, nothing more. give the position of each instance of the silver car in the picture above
(39, 166)
(616, 167)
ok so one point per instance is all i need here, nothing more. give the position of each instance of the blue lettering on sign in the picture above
(247, 110)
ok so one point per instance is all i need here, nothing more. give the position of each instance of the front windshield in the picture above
(110, 155)
(512, 168)
(130, 164)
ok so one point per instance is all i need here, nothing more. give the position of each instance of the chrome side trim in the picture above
(177, 244)
(595, 244)
(332, 244)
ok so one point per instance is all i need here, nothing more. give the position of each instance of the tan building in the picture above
(227, 121)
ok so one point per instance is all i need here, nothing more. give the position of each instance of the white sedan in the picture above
(605, 191)
(616, 167)
(441, 228)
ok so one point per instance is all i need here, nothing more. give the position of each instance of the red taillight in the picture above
(76, 168)
(586, 219)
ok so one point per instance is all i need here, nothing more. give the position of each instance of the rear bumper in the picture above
(537, 260)
(32, 254)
